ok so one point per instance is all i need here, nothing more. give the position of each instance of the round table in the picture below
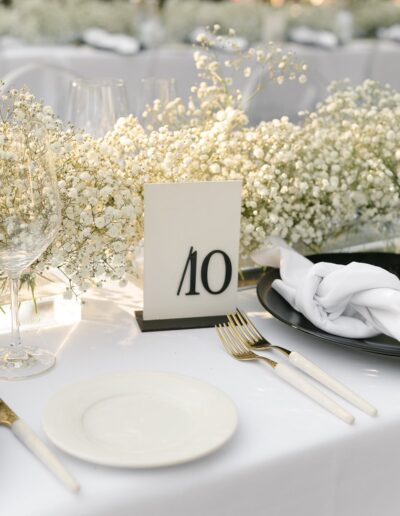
(288, 456)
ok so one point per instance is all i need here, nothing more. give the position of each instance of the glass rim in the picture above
(97, 81)
(158, 79)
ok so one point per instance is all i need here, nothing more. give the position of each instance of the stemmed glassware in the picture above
(96, 104)
(30, 217)
(154, 90)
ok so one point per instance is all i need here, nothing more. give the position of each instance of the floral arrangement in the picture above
(99, 196)
(371, 15)
(305, 183)
(250, 18)
(368, 16)
(63, 21)
(245, 18)
(301, 182)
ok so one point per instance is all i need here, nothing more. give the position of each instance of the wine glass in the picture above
(30, 217)
(96, 104)
(154, 90)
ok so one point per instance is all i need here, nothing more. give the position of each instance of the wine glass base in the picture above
(17, 363)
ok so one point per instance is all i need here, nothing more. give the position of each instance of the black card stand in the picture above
(186, 323)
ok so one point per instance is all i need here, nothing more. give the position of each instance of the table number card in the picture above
(191, 253)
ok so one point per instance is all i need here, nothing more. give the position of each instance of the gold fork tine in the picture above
(240, 335)
(227, 341)
(249, 324)
(254, 339)
(238, 346)
(241, 327)
(224, 340)
(231, 344)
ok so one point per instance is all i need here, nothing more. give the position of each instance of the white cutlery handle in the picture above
(299, 382)
(313, 370)
(28, 437)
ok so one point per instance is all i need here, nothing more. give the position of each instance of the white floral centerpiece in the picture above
(61, 21)
(372, 15)
(99, 194)
(302, 182)
(246, 18)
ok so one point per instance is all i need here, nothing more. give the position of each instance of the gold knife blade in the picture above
(7, 416)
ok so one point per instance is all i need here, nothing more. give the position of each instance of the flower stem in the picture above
(15, 335)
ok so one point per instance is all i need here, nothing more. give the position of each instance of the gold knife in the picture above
(28, 437)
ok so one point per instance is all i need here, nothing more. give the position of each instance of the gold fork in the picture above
(250, 336)
(238, 350)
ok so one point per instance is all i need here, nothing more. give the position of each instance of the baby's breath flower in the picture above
(301, 182)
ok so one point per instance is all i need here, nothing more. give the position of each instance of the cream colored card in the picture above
(191, 249)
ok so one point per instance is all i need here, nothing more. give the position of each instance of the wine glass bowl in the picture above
(30, 217)
(96, 104)
(154, 93)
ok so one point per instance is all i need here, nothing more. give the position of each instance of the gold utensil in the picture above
(235, 347)
(27, 436)
(248, 333)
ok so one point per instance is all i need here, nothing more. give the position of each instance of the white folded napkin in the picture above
(357, 300)
(307, 36)
(120, 43)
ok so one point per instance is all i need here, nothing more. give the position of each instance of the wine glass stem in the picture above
(15, 335)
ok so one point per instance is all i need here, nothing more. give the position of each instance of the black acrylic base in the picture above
(178, 324)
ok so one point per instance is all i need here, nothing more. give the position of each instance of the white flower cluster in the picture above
(101, 201)
(371, 15)
(368, 15)
(305, 183)
(249, 18)
(181, 17)
(63, 21)
(102, 209)
(301, 182)
(341, 166)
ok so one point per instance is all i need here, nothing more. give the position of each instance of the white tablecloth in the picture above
(53, 85)
(356, 61)
(288, 457)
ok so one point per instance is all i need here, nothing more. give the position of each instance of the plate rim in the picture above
(125, 465)
(346, 342)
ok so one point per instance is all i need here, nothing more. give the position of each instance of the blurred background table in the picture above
(48, 71)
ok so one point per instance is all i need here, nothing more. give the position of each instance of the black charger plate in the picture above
(279, 308)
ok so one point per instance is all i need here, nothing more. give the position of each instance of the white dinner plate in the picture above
(139, 419)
